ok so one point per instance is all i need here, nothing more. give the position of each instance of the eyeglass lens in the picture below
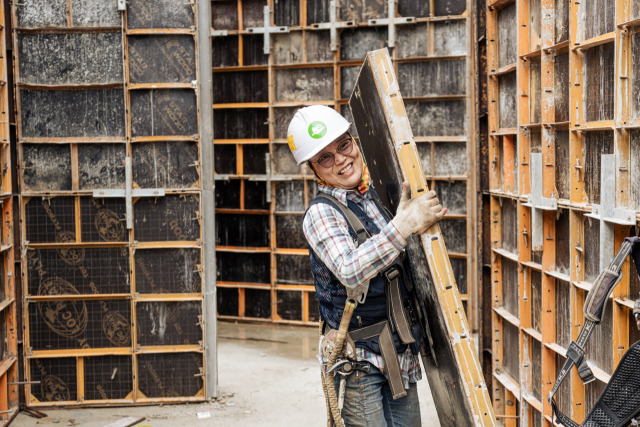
(327, 159)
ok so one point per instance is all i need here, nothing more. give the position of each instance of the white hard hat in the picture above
(313, 128)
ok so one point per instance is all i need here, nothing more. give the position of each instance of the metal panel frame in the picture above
(533, 411)
(134, 351)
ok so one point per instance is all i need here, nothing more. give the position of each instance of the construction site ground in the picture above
(267, 376)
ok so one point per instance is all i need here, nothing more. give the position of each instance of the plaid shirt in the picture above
(327, 232)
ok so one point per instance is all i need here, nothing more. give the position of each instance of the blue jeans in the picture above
(368, 402)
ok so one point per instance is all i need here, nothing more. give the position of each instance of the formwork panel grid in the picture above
(574, 79)
(112, 241)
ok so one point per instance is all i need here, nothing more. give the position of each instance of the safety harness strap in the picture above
(388, 351)
(357, 225)
(397, 318)
(593, 313)
(562, 418)
(395, 307)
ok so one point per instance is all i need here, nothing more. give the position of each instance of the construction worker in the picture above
(343, 270)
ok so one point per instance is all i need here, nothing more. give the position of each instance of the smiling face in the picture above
(346, 171)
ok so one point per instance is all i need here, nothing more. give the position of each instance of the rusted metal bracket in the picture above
(606, 212)
(537, 202)
(269, 177)
(129, 192)
(267, 30)
(333, 25)
(392, 21)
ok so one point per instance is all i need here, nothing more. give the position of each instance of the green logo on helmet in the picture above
(317, 130)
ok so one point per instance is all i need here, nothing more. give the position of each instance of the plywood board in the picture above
(89, 13)
(159, 14)
(307, 84)
(47, 59)
(456, 381)
(432, 78)
(169, 58)
(599, 79)
(174, 112)
(101, 166)
(72, 113)
(507, 41)
(600, 18)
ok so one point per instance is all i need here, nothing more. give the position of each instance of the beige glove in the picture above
(415, 216)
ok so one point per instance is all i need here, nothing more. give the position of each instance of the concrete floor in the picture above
(268, 376)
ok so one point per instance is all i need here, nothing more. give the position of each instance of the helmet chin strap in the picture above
(362, 187)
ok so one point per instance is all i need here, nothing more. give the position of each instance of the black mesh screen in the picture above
(103, 220)
(54, 379)
(85, 271)
(168, 218)
(107, 377)
(50, 220)
(170, 375)
(59, 324)
(160, 271)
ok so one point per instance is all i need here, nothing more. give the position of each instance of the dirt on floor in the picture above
(267, 376)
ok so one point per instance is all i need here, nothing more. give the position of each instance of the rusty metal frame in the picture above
(9, 404)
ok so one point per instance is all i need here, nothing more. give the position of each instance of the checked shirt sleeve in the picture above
(328, 235)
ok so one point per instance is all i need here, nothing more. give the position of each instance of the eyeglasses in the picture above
(327, 160)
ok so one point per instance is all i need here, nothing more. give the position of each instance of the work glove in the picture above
(415, 216)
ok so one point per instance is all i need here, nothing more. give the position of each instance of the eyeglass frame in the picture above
(333, 153)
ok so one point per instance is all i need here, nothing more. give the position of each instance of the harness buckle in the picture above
(391, 273)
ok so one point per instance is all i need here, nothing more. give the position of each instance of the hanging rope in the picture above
(328, 380)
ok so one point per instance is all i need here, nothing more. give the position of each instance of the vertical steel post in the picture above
(205, 101)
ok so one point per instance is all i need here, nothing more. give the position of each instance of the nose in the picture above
(339, 158)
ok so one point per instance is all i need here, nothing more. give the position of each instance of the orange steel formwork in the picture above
(562, 85)
(9, 378)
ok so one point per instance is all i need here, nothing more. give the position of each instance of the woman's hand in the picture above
(415, 216)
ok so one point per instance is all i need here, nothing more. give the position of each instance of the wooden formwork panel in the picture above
(106, 105)
(261, 194)
(563, 73)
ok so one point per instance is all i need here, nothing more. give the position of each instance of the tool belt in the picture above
(397, 322)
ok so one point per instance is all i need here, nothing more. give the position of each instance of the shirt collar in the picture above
(342, 194)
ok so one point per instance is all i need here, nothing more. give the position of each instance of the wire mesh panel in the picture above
(109, 148)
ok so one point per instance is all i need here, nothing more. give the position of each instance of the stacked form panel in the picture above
(108, 151)
(574, 79)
